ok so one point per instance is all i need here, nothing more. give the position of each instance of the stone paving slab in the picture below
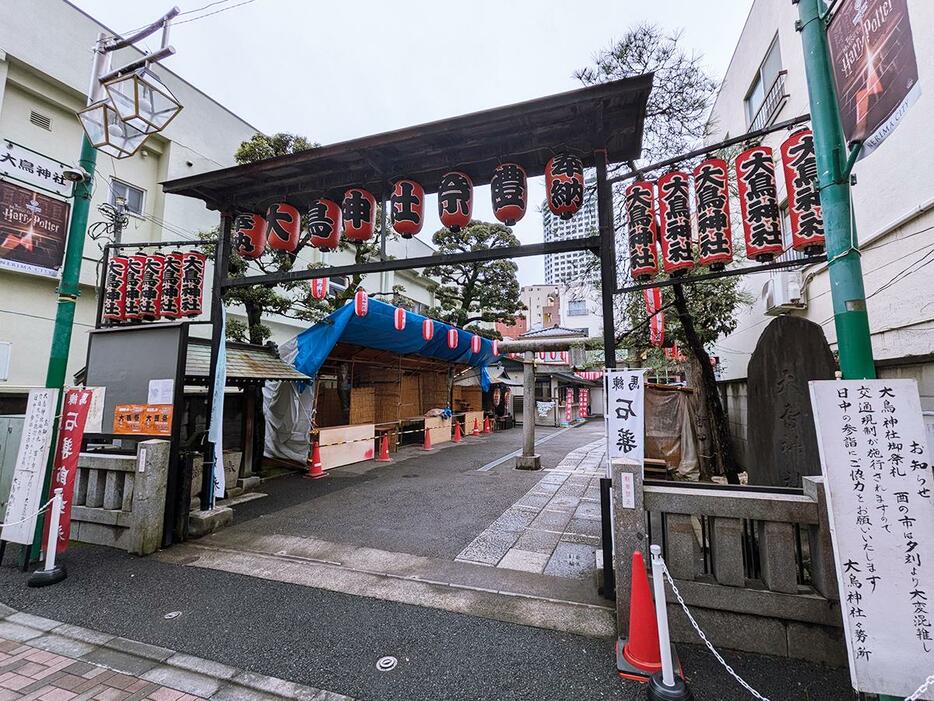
(44, 660)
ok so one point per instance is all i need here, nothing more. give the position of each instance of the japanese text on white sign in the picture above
(625, 415)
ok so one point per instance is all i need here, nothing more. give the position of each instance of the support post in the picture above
(221, 259)
(528, 460)
(846, 276)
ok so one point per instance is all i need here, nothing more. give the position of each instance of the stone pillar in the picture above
(146, 519)
(823, 569)
(528, 460)
(628, 534)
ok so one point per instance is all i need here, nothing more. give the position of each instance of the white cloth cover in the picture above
(287, 408)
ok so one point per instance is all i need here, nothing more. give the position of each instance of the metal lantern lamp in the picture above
(142, 100)
(108, 133)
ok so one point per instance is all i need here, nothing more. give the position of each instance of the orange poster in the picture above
(143, 419)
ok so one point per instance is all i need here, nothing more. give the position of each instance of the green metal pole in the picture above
(844, 268)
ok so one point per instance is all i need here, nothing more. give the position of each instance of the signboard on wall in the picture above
(33, 228)
(874, 65)
(880, 491)
(33, 169)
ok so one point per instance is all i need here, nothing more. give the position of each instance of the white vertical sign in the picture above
(625, 416)
(877, 471)
(216, 427)
(31, 461)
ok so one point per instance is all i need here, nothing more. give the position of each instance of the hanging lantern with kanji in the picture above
(455, 200)
(115, 289)
(643, 259)
(172, 285)
(496, 346)
(804, 210)
(319, 288)
(476, 343)
(407, 208)
(428, 329)
(758, 201)
(509, 191)
(134, 285)
(150, 302)
(249, 235)
(564, 185)
(283, 225)
(398, 318)
(324, 225)
(452, 338)
(359, 213)
(193, 268)
(361, 302)
(674, 216)
(714, 235)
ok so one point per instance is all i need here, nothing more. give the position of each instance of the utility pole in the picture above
(834, 165)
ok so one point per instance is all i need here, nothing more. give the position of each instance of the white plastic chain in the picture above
(703, 637)
(921, 689)
(45, 506)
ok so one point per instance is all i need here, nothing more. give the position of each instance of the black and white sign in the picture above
(877, 471)
(31, 167)
(625, 415)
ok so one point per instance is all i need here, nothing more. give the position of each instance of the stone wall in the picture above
(733, 396)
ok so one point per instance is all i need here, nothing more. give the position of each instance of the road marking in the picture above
(516, 453)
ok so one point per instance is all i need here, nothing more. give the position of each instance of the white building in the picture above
(541, 303)
(893, 201)
(45, 62)
(572, 265)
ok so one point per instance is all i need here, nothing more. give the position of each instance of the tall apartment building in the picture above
(573, 265)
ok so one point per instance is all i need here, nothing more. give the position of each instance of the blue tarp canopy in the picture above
(377, 330)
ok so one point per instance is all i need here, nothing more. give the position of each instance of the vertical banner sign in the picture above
(33, 455)
(714, 236)
(758, 200)
(874, 66)
(674, 216)
(643, 259)
(625, 415)
(653, 306)
(877, 471)
(172, 286)
(568, 404)
(150, 303)
(115, 289)
(216, 429)
(75, 408)
(584, 396)
(799, 163)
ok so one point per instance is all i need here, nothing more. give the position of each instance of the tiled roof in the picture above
(244, 363)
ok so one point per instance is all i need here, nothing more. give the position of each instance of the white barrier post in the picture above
(664, 687)
(51, 573)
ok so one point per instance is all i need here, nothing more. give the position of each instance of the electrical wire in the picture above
(216, 12)
(130, 32)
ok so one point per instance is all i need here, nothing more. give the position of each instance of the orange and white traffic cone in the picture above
(384, 449)
(476, 427)
(486, 425)
(458, 437)
(427, 444)
(315, 471)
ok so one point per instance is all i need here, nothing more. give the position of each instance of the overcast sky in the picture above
(339, 70)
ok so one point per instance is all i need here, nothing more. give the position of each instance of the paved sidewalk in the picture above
(554, 528)
(45, 660)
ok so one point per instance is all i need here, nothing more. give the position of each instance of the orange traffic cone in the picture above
(476, 427)
(315, 471)
(457, 432)
(640, 656)
(486, 425)
(427, 444)
(384, 449)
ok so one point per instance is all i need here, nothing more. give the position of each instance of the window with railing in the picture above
(767, 93)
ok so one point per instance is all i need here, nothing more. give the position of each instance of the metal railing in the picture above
(774, 100)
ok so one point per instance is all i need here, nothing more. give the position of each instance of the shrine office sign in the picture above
(877, 471)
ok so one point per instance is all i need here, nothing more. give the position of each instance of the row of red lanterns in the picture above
(356, 214)
(153, 287)
(361, 306)
(671, 225)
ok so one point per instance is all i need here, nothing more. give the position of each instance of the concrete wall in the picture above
(893, 198)
(733, 393)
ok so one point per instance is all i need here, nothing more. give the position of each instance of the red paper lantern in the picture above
(476, 343)
(455, 200)
(115, 289)
(564, 185)
(283, 225)
(361, 302)
(804, 210)
(135, 265)
(359, 213)
(150, 303)
(319, 288)
(398, 318)
(714, 235)
(762, 224)
(510, 193)
(172, 286)
(324, 225)
(674, 215)
(407, 208)
(428, 329)
(193, 267)
(250, 235)
(452, 338)
(643, 259)
(495, 346)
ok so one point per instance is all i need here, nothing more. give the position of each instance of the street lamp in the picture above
(108, 133)
(142, 100)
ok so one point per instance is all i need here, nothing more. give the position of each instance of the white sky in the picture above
(340, 70)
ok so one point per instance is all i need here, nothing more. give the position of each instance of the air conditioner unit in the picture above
(783, 293)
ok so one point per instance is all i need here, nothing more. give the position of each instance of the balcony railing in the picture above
(772, 104)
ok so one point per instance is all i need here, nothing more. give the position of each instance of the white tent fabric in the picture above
(287, 408)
